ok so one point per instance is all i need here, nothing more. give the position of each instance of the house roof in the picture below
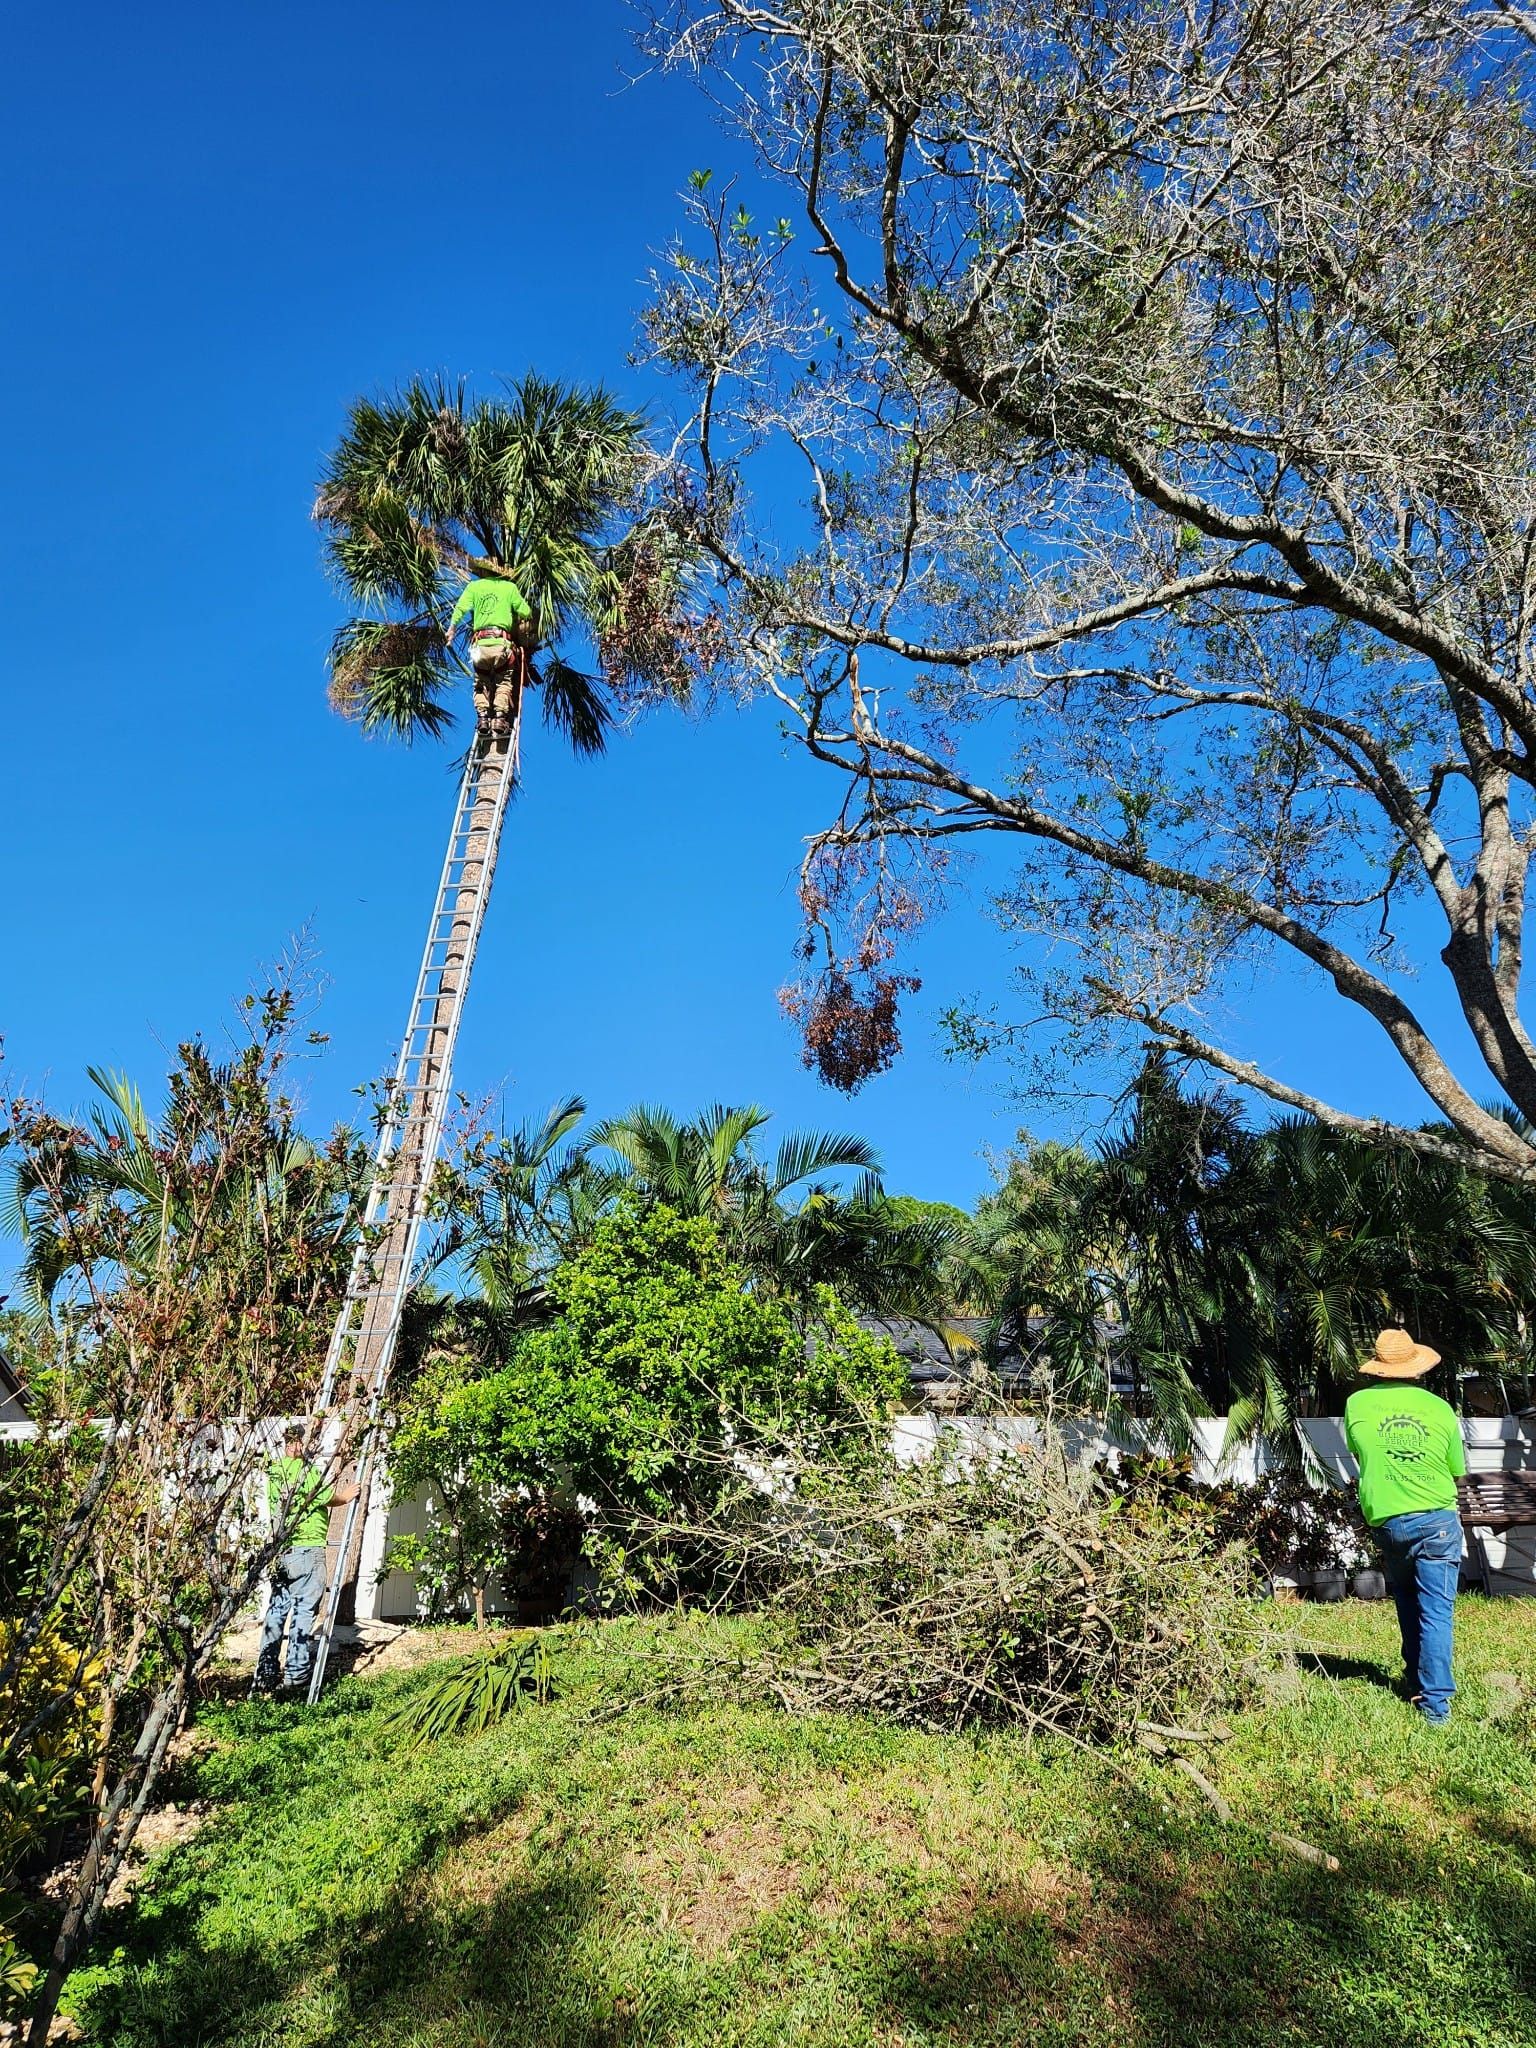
(11, 1388)
(932, 1362)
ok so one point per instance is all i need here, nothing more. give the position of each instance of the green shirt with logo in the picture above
(490, 601)
(1408, 1443)
(309, 1499)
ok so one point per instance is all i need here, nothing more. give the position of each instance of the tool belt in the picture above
(491, 647)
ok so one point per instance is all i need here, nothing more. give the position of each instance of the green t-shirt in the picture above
(490, 601)
(1409, 1446)
(309, 1506)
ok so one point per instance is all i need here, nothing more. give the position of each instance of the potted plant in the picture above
(1303, 1535)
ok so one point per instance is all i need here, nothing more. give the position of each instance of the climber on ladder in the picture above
(498, 617)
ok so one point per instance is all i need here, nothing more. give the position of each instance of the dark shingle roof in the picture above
(934, 1364)
(11, 1388)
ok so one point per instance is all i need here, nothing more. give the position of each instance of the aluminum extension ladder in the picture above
(363, 1342)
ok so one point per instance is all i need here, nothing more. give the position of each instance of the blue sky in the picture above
(234, 220)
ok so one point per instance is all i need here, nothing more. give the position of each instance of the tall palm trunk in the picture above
(414, 1159)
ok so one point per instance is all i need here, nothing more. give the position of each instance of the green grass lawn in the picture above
(726, 1876)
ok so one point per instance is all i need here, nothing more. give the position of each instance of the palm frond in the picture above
(645, 1139)
(559, 1122)
(468, 1698)
(125, 1100)
(389, 676)
(383, 555)
(574, 706)
(803, 1153)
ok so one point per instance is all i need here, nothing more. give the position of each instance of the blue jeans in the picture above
(1423, 1564)
(298, 1587)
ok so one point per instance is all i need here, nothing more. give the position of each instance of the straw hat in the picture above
(1397, 1357)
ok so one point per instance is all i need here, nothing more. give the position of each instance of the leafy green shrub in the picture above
(447, 1441)
(1290, 1525)
(1294, 1527)
(658, 1360)
(660, 1355)
(50, 1721)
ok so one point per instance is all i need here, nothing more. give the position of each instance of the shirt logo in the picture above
(1404, 1437)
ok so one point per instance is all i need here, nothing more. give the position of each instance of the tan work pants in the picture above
(495, 694)
(497, 668)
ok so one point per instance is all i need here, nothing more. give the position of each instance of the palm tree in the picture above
(1367, 1236)
(1247, 1270)
(785, 1223)
(876, 1259)
(513, 1209)
(1184, 1191)
(1053, 1284)
(545, 486)
(1147, 1255)
(709, 1168)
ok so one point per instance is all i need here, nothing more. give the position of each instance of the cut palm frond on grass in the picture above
(468, 1698)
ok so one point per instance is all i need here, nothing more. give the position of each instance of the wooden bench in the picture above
(1494, 1500)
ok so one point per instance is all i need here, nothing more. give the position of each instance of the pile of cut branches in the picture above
(988, 1583)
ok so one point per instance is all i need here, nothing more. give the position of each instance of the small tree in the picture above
(196, 1257)
(659, 1361)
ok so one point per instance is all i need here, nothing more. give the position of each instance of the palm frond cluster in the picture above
(471, 1694)
(1193, 1265)
(153, 1177)
(814, 1214)
(546, 486)
(786, 1220)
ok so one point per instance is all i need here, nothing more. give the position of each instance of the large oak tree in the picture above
(1161, 377)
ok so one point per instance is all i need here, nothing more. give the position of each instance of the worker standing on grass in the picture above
(498, 617)
(300, 1497)
(1409, 1448)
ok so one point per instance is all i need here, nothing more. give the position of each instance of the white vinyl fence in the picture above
(1494, 1443)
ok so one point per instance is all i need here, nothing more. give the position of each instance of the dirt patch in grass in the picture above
(715, 1886)
(162, 1828)
(367, 1650)
(710, 1858)
(478, 1873)
(386, 1646)
(1040, 1892)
